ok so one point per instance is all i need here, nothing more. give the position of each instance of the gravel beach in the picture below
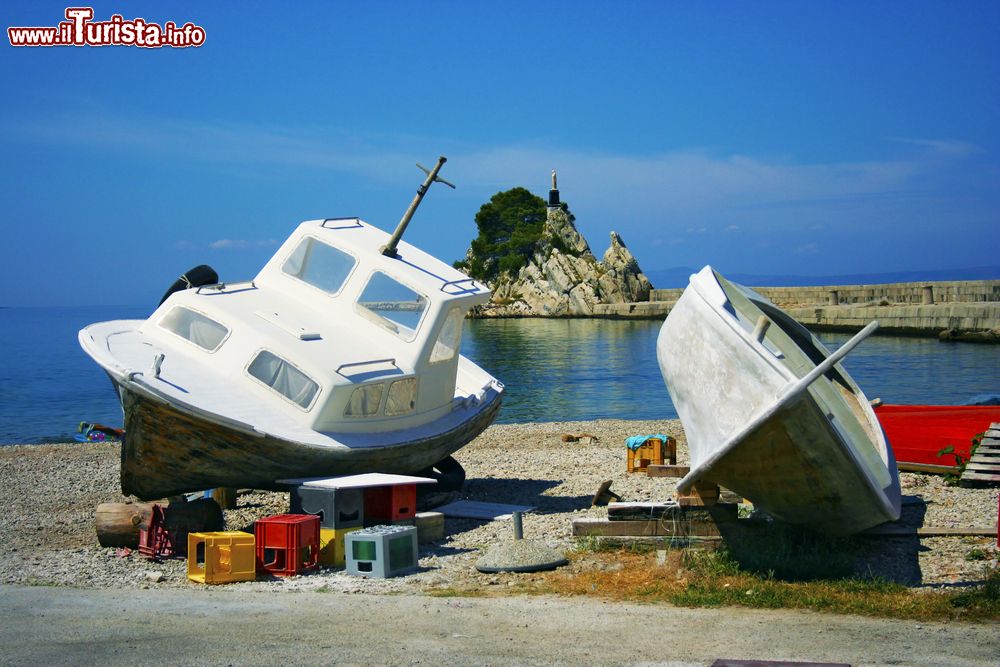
(49, 494)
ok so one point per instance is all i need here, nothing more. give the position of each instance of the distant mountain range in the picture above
(678, 277)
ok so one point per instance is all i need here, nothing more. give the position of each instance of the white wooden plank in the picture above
(472, 509)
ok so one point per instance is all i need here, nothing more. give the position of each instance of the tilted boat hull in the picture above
(787, 429)
(168, 450)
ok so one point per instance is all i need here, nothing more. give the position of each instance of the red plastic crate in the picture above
(287, 544)
(156, 542)
(390, 503)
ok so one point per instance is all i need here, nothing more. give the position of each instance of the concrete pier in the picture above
(955, 310)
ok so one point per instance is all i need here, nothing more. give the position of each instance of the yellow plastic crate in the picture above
(331, 545)
(221, 557)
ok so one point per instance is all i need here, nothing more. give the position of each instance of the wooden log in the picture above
(928, 468)
(117, 524)
(194, 517)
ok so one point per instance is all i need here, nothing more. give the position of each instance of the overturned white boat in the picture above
(340, 357)
(771, 414)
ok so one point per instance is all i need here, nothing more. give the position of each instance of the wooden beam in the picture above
(592, 526)
(930, 531)
(667, 470)
(636, 511)
(925, 467)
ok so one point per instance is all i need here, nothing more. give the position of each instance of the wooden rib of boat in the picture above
(340, 357)
(770, 413)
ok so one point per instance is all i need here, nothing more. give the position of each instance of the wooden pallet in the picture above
(984, 466)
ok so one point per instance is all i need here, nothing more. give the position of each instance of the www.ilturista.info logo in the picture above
(81, 30)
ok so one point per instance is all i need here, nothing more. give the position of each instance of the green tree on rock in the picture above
(510, 224)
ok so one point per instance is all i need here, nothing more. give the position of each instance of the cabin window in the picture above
(365, 401)
(319, 264)
(283, 378)
(393, 305)
(448, 341)
(203, 331)
(402, 397)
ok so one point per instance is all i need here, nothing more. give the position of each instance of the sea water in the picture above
(582, 369)
(554, 370)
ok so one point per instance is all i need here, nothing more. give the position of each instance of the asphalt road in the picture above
(55, 626)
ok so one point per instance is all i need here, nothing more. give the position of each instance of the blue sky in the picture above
(811, 138)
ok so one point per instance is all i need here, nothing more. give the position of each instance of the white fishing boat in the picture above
(771, 414)
(340, 357)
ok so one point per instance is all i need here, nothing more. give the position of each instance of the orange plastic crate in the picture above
(652, 452)
(287, 544)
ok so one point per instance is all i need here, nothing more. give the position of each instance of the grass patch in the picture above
(718, 578)
(982, 601)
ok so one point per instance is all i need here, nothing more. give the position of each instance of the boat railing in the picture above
(228, 288)
(454, 287)
(342, 223)
(391, 362)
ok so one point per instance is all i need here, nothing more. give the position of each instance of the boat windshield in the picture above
(393, 305)
(203, 331)
(319, 264)
(448, 341)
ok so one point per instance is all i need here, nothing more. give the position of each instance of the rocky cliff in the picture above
(563, 278)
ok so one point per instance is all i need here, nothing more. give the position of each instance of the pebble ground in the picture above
(48, 494)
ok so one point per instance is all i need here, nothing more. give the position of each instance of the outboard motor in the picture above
(200, 275)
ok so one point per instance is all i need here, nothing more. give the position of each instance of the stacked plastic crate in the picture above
(347, 504)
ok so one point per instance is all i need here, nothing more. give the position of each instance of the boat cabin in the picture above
(333, 333)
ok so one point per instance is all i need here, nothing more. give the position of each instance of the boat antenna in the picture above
(389, 249)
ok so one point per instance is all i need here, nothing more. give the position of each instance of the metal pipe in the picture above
(518, 527)
(389, 249)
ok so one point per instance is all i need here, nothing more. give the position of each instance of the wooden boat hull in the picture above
(168, 450)
(919, 432)
(773, 418)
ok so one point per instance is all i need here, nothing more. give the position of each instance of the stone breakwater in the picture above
(50, 492)
(955, 310)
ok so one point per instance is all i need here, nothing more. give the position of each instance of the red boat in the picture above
(918, 432)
